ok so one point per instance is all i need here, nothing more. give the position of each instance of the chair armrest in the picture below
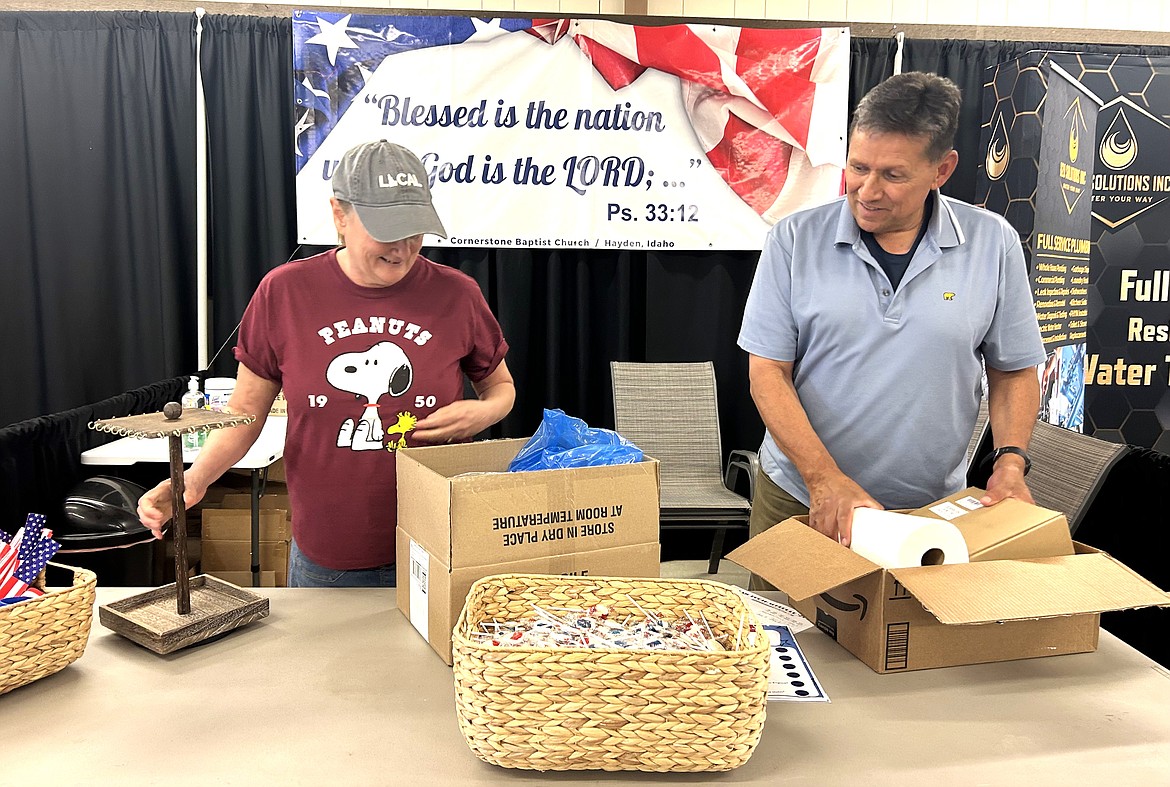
(747, 462)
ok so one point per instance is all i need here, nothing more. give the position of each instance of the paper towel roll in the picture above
(893, 540)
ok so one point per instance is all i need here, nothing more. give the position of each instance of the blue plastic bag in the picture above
(564, 441)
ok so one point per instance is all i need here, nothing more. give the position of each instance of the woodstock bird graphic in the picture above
(405, 423)
(382, 369)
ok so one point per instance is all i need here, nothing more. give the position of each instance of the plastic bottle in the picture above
(219, 391)
(193, 400)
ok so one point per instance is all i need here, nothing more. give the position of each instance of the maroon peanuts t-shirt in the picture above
(359, 366)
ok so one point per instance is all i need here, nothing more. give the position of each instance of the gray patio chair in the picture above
(1069, 468)
(670, 411)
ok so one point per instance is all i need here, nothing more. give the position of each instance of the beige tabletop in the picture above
(336, 687)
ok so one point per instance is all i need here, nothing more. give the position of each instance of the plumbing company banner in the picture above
(577, 133)
(1118, 327)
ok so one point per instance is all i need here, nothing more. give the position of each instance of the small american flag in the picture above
(24, 556)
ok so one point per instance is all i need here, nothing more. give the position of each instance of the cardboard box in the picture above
(273, 474)
(244, 578)
(462, 517)
(431, 594)
(276, 472)
(1009, 530)
(996, 608)
(461, 505)
(228, 484)
(267, 501)
(235, 524)
(236, 555)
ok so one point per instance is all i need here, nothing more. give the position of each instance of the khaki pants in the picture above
(770, 506)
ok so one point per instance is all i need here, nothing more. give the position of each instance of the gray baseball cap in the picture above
(388, 187)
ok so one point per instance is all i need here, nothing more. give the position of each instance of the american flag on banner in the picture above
(767, 105)
(749, 123)
(335, 54)
(24, 556)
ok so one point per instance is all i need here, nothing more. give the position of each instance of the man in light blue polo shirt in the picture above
(869, 323)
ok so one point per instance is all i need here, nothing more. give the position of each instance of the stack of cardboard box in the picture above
(462, 517)
(227, 537)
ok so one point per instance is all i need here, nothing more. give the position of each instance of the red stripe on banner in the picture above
(753, 162)
(617, 70)
(678, 50)
(548, 30)
(777, 65)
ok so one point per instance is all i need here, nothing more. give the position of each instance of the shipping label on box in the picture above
(431, 595)
(1009, 530)
(235, 524)
(459, 502)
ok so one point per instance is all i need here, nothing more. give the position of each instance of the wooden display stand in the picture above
(166, 619)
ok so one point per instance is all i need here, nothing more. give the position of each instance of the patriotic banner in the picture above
(577, 133)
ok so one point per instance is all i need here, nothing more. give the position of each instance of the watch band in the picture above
(995, 455)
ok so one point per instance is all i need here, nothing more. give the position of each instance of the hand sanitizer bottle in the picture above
(193, 400)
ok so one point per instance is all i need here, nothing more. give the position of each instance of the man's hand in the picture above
(831, 503)
(1007, 480)
(156, 507)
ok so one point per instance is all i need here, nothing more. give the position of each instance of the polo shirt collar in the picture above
(943, 227)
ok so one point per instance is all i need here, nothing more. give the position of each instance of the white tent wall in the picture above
(1099, 21)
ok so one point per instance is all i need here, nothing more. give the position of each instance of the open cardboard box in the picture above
(462, 517)
(1029, 591)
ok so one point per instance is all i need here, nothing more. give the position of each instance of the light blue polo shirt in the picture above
(891, 380)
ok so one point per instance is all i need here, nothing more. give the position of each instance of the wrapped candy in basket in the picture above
(661, 675)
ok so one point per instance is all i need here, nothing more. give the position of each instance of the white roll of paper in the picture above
(893, 540)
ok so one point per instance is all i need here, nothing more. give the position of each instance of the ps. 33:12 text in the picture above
(653, 211)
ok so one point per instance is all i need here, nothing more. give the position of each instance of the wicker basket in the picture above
(557, 708)
(47, 634)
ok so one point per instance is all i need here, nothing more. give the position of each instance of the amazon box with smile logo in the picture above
(1028, 591)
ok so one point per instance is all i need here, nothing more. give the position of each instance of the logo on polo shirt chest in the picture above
(948, 296)
(388, 181)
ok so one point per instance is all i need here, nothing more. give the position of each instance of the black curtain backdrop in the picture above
(251, 163)
(40, 458)
(103, 297)
(97, 169)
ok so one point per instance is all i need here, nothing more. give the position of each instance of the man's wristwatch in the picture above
(994, 456)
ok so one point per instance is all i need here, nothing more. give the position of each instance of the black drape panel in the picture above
(966, 64)
(98, 222)
(40, 459)
(565, 314)
(871, 60)
(247, 67)
(568, 314)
